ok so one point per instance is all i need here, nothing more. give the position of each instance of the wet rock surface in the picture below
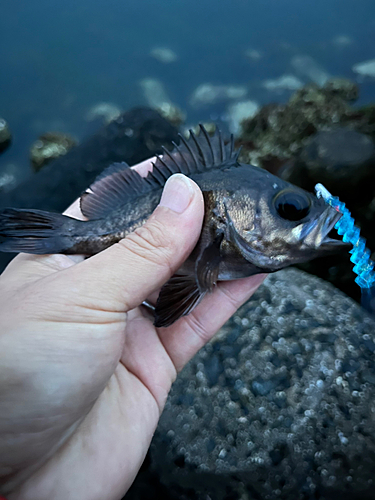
(5, 135)
(280, 404)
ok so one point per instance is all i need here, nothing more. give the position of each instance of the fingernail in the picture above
(178, 193)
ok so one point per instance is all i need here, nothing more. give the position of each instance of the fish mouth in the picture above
(315, 234)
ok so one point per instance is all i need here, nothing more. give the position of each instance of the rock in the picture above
(48, 147)
(341, 159)
(9, 177)
(157, 98)
(5, 135)
(163, 55)
(279, 405)
(343, 88)
(284, 82)
(365, 68)
(307, 67)
(253, 54)
(278, 132)
(136, 135)
(207, 94)
(104, 111)
(342, 41)
(238, 112)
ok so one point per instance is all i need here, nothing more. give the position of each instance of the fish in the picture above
(254, 222)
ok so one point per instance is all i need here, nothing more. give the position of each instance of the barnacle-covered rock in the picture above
(50, 146)
(280, 131)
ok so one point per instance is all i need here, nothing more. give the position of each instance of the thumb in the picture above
(124, 275)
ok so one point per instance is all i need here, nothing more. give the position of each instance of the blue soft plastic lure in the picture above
(363, 265)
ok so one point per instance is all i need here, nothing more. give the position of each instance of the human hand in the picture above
(84, 374)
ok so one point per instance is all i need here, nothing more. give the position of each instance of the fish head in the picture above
(274, 227)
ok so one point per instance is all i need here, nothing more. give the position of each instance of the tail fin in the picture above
(31, 231)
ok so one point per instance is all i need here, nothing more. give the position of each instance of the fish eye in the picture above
(292, 205)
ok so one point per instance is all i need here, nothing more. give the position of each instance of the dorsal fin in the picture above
(119, 184)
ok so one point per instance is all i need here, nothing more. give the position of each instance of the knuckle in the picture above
(152, 243)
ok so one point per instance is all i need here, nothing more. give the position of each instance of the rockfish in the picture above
(254, 222)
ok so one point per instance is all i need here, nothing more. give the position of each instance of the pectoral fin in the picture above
(207, 266)
(183, 292)
(177, 298)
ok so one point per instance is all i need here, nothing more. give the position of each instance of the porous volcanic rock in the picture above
(280, 405)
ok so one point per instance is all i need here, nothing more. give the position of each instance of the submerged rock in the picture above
(307, 67)
(9, 177)
(157, 98)
(342, 41)
(207, 94)
(238, 112)
(253, 54)
(366, 68)
(279, 405)
(284, 82)
(50, 146)
(104, 111)
(163, 54)
(5, 135)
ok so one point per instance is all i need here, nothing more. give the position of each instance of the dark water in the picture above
(59, 58)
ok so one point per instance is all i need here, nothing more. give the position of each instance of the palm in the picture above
(85, 374)
(111, 386)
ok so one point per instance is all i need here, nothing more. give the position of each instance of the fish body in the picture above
(254, 222)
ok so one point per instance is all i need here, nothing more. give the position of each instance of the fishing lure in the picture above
(360, 254)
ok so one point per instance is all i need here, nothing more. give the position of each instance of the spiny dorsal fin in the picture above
(119, 184)
(199, 153)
